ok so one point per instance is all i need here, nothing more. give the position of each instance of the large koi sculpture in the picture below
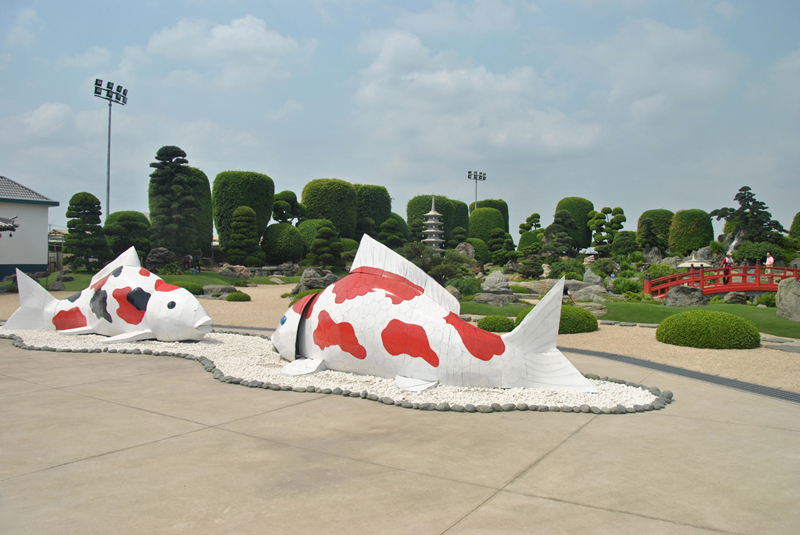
(124, 301)
(389, 319)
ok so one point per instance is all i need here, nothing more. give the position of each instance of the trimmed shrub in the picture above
(658, 270)
(460, 214)
(373, 202)
(624, 243)
(482, 253)
(299, 296)
(532, 268)
(203, 219)
(170, 269)
(623, 285)
(662, 221)
(757, 252)
(233, 189)
(573, 320)
(465, 285)
(691, 230)
(282, 243)
(335, 200)
(530, 238)
(497, 204)
(708, 329)
(579, 209)
(766, 299)
(237, 296)
(308, 231)
(243, 246)
(285, 208)
(794, 230)
(193, 287)
(391, 234)
(482, 221)
(563, 266)
(127, 229)
(172, 202)
(403, 226)
(348, 244)
(86, 239)
(326, 249)
(421, 205)
(496, 324)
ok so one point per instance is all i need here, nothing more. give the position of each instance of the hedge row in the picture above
(335, 200)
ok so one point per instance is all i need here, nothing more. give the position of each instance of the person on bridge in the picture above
(769, 263)
(727, 264)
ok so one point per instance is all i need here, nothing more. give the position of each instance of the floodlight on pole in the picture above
(116, 95)
(476, 176)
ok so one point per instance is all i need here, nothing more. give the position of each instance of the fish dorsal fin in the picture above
(128, 258)
(374, 254)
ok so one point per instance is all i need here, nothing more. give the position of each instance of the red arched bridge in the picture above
(713, 281)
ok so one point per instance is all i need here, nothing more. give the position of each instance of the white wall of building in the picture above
(28, 243)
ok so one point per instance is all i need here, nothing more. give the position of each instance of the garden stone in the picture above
(590, 278)
(159, 257)
(652, 255)
(595, 293)
(57, 286)
(685, 296)
(496, 283)
(314, 279)
(671, 261)
(210, 289)
(237, 272)
(597, 310)
(497, 300)
(454, 292)
(512, 267)
(63, 278)
(787, 299)
(466, 249)
(703, 254)
(736, 298)
(795, 263)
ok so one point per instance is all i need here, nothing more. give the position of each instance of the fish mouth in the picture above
(204, 325)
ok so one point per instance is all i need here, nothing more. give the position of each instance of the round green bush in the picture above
(373, 202)
(497, 204)
(662, 221)
(282, 243)
(573, 320)
(482, 253)
(708, 329)
(421, 205)
(193, 287)
(348, 244)
(496, 324)
(522, 313)
(691, 230)
(623, 285)
(233, 189)
(530, 238)
(125, 229)
(237, 296)
(308, 231)
(579, 209)
(483, 220)
(334, 200)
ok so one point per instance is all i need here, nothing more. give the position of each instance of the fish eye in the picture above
(171, 305)
(283, 320)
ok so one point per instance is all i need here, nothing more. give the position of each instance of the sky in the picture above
(640, 104)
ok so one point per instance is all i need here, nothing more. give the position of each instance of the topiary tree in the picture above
(173, 205)
(559, 240)
(285, 208)
(334, 200)
(624, 243)
(501, 246)
(482, 253)
(127, 229)
(459, 235)
(391, 234)
(233, 189)
(373, 202)
(402, 224)
(282, 243)
(308, 231)
(326, 248)
(460, 215)
(662, 221)
(85, 240)
(498, 204)
(531, 223)
(366, 225)
(203, 220)
(794, 230)
(579, 208)
(646, 236)
(690, 230)
(605, 224)
(751, 218)
(421, 205)
(482, 221)
(530, 243)
(415, 230)
(243, 248)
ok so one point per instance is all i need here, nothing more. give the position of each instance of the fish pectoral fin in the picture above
(134, 336)
(409, 384)
(78, 330)
(303, 367)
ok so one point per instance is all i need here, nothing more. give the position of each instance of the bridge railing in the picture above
(714, 280)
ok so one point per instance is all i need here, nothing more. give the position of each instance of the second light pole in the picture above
(476, 176)
(120, 96)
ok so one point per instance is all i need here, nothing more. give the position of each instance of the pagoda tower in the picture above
(433, 229)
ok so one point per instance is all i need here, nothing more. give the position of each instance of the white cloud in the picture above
(289, 109)
(23, 32)
(92, 57)
(785, 87)
(241, 55)
(726, 9)
(47, 120)
(430, 105)
(444, 16)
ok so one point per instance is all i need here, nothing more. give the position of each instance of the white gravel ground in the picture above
(253, 358)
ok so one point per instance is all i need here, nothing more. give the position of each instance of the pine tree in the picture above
(605, 224)
(243, 247)
(391, 234)
(86, 241)
(172, 204)
(532, 223)
(326, 249)
(559, 240)
(415, 230)
(457, 235)
(127, 229)
(751, 218)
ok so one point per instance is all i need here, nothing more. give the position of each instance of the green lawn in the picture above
(480, 309)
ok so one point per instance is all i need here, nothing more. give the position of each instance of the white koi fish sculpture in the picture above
(388, 318)
(124, 302)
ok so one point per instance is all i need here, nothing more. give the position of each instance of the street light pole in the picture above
(120, 96)
(476, 176)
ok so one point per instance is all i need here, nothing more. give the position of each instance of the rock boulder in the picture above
(652, 255)
(496, 300)
(590, 278)
(787, 299)
(454, 292)
(159, 257)
(496, 283)
(210, 289)
(237, 272)
(735, 298)
(57, 286)
(466, 249)
(685, 296)
(314, 279)
(595, 293)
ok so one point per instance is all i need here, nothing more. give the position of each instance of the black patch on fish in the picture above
(73, 298)
(117, 272)
(99, 304)
(138, 298)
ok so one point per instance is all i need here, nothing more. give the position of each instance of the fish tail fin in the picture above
(536, 338)
(34, 301)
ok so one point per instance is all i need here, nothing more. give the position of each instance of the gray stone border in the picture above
(664, 398)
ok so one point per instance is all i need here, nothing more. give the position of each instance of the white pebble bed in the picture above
(252, 358)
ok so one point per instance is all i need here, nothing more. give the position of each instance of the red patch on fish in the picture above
(405, 338)
(329, 333)
(143, 272)
(301, 304)
(126, 311)
(99, 284)
(481, 344)
(162, 286)
(69, 319)
(363, 280)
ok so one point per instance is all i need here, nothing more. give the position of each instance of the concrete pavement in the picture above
(109, 443)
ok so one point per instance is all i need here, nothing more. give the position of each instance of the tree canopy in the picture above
(751, 218)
